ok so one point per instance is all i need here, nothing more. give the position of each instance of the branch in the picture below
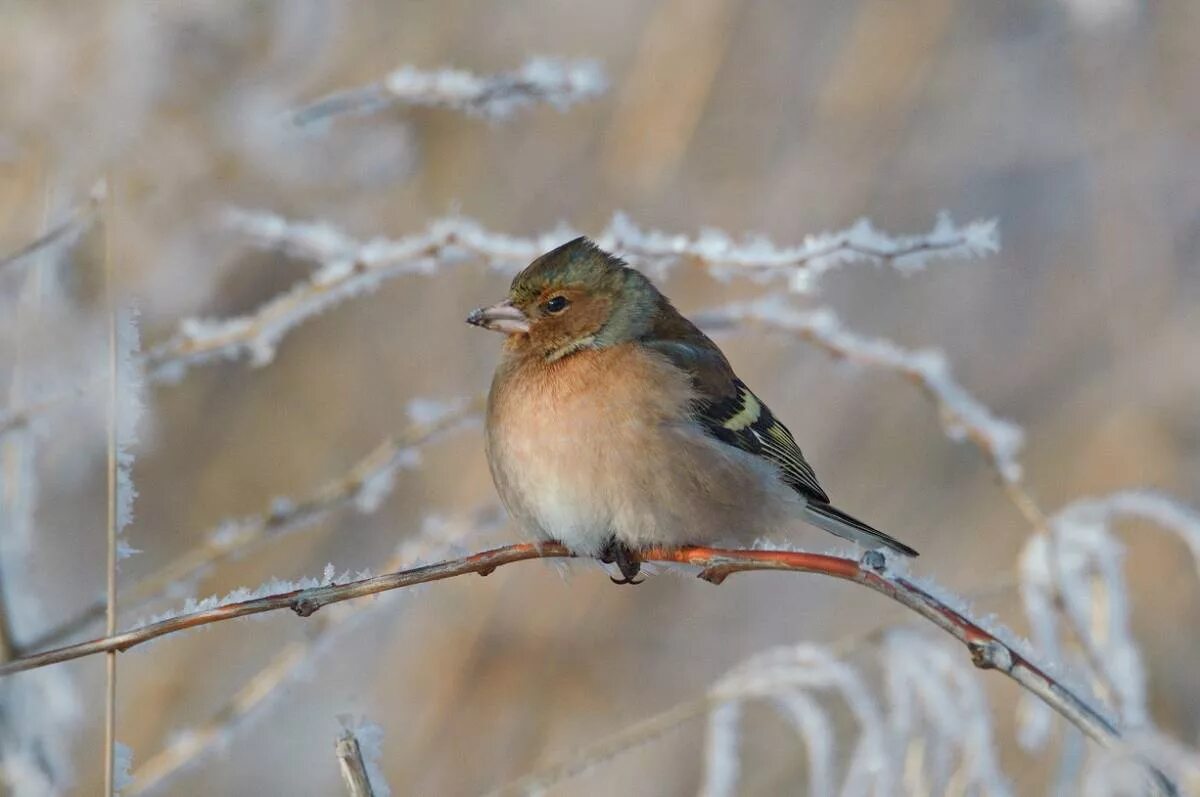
(805, 263)
(351, 268)
(350, 762)
(541, 80)
(359, 749)
(987, 651)
(963, 416)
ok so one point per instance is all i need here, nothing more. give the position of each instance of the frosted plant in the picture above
(803, 265)
(123, 765)
(551, 81)
(1079, 565)
(789, 677)
(351, 268)
(940, 717)
(130, 388)
(37, 712)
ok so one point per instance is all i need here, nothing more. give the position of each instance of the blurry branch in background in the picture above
(352, 766)
(38, 712)
(987, 647)
(66, 231)
(658, 725)
(364, 485)
(191, 746)
(1075, 574)
(358, 749)
(351, 268)
(963, 416)
(935, 739)
(549, 81)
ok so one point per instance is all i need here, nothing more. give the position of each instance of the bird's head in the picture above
(572, 298)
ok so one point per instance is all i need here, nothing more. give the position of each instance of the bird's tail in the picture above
(835, 521)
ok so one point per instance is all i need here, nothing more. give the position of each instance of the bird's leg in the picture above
(625, 558)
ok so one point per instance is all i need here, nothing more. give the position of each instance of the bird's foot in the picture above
(626, 560)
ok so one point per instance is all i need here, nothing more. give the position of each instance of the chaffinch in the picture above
(615, 425)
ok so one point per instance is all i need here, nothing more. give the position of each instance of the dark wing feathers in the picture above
(730, 412)
(742, 420)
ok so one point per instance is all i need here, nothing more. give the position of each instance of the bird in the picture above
(615, 426)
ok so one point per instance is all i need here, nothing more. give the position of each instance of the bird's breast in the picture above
(565, 438)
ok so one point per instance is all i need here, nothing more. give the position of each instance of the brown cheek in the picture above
(584, 318)
(589, 317)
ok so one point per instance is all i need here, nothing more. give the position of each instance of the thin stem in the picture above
(354, 769)
(110, 627)
(716, 564)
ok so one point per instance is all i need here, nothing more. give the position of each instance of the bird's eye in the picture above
(556, 304)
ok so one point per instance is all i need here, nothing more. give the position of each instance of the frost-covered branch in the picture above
(987, 647)
(806, 263)
(550, 81)
(363, 486)
(1075, 573)
(963, 416)
(348, 269)
(351, 268)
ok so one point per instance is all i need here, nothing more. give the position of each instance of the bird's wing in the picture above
(729, 411)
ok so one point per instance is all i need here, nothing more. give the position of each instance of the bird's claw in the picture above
(626, 560)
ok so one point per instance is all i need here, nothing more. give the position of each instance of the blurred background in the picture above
(1076, 124)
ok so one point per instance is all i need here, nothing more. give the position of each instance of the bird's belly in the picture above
(553, 481)
(640, 479)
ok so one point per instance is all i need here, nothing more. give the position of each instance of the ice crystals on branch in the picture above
(818, 254)
(130, 393)
(550, 81)
(939, 715)
(1078, 566)
(350, 268)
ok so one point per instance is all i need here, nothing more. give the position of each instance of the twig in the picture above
(350, 268)
(110, 623)
(235, 537)
(987, 651)
(350, 762)
(541, 80)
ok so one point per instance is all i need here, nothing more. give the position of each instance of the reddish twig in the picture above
(716, 564)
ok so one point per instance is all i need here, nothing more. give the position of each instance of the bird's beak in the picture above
(504, 317)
